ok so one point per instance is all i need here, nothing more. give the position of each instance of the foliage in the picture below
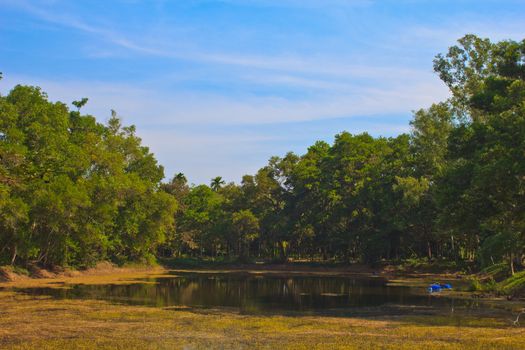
(450, 191)
(73, 191)
(513, 285)
(475, 285)
(497, 271)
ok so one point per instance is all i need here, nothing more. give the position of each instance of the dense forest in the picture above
(74, 191)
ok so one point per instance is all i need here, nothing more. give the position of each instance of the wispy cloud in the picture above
(148, 106)
(205, 135)
(227, 84)
(318, 64)
(410, 36)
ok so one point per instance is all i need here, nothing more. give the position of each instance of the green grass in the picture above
(496, 271)
(514, 285)
(495, 279)
(434, 266)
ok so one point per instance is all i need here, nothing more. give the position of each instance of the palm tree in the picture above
(216, 183)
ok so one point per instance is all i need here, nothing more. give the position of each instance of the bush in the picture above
(475, 285)
(497, 271)
(514, 285)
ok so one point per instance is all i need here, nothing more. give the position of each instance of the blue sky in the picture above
(216, 87)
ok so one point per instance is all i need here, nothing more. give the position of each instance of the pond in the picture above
(272, 293)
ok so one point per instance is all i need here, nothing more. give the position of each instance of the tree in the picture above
(483, 188)
(245, 227)
(73, 191)
(216, 183)
(81, 103)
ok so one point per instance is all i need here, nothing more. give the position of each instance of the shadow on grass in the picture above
(409, 315)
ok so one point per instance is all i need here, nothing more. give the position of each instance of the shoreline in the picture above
(10, 277)
(107, 273)
(42, 322)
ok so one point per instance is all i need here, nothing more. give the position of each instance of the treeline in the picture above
(73, 191)
(453, 188)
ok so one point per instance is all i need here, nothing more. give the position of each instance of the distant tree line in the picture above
(73, 191)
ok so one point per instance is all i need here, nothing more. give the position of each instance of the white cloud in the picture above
(316, 84)
(309, 64)
(180, 130)
(144, 106)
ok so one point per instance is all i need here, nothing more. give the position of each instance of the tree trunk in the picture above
(452, 245)
(282, 251)
(14, 255)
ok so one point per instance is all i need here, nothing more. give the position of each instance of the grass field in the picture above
(44, 323)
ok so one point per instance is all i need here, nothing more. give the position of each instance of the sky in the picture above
(217, 87)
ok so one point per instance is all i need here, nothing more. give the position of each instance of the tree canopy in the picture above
(74, 191)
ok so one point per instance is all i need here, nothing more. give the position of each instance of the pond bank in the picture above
(29, 322)
(108, 273)
(40, 322)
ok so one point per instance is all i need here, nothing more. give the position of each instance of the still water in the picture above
(270, 293)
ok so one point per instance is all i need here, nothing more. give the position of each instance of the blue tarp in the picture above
(437, 287)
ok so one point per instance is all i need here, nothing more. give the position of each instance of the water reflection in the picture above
(263, 293)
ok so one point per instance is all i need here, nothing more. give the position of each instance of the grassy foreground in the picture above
(44, 323)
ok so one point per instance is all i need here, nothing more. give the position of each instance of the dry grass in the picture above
(44, 323)
(102, 274)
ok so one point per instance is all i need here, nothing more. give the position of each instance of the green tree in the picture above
(483, 188)
(216, 183)
(245, 227)
(73, 191)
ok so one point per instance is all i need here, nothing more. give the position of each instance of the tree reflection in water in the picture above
(263, 293)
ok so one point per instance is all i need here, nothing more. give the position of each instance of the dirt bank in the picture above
(101, 273)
